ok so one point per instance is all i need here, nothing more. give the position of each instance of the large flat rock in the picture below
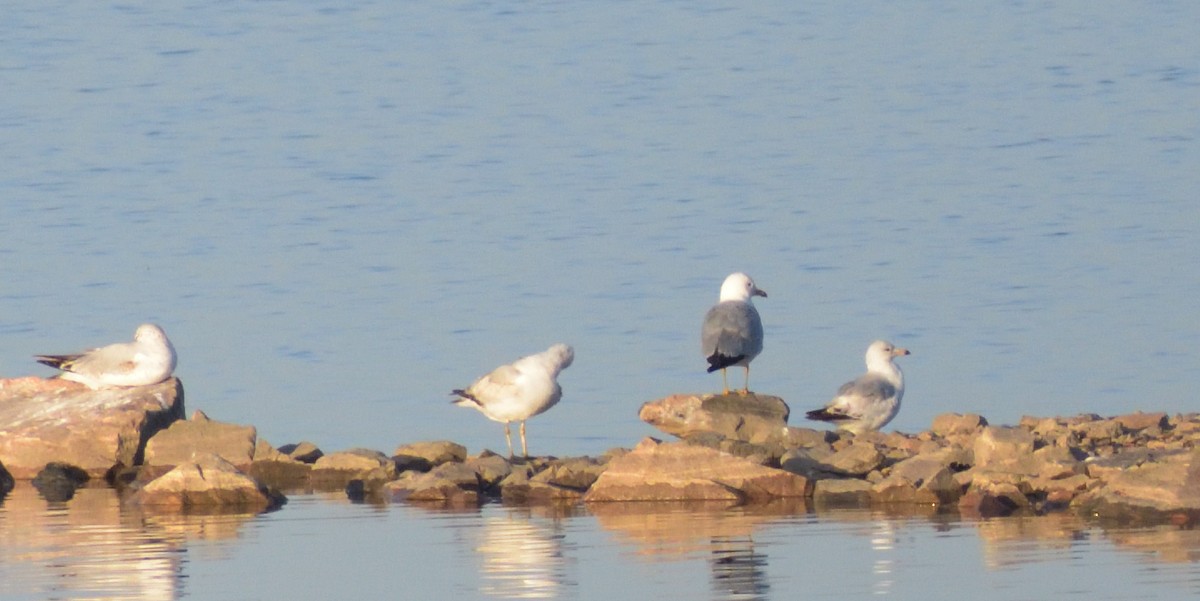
(753, 418)
(47, 420)
(677, 471)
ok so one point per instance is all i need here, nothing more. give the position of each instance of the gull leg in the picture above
(725, 380)
(508, 439)
(524, 449)
(746, 388)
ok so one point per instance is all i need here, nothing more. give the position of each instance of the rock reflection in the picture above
(720, 531)
(93, 547)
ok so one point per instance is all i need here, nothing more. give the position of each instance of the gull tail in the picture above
(718, 361)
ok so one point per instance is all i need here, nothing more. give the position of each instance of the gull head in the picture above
(562, 354)
(739, 287)
(149, 332)
(881, 352)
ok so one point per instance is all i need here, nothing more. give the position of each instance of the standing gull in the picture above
(869, 402)
(732, 333)
(519, 390)
(149, 359)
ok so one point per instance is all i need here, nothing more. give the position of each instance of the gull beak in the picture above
(757, 292)
(900, 352)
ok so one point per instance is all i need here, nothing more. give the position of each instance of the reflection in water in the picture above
(682, 531)
(93, 547)
(737, 570)
(522, 556)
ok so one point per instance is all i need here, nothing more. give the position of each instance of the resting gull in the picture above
(732, 333)
(149, 359)
(869, 402)
(519, 390)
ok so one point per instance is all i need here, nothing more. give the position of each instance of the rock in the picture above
(809, 463)
(576, 474)
(424, 456)
(857, 460)
(304, 452)
(921, 479)
(176, 445)
(277, 470)
(514, 488)
(752, 418)
(948, 425)
(1134, 422)
(491, 469)
(334, 471)
(794, 437)
(205, 483)
(842, 492)
(52, 420)
(999, 445)
(57, 481)
(450, 483)
(984, 504)
(1168, 484)
(656, 471)
(6, 482)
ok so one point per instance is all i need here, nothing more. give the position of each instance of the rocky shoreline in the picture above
(731, 449)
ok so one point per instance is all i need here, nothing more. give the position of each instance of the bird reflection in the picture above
(737, 570)
(522, 559)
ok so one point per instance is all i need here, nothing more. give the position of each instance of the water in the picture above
(321, 546)
(340, 211)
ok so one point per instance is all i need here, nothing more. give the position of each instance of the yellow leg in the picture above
(725, 381)
(508, 439)
(524, 449)
(746, 389)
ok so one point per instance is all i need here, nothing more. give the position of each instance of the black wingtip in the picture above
(824, 415)
(54, 361)
(718, 361)
(464, 396)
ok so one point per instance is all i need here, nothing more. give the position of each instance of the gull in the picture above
(732, 333)
(869, 402)
(519, 390)
(149, 359)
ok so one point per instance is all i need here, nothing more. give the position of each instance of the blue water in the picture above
(340, 211)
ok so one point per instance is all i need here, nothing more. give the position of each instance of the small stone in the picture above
(999, 445)
(842, 492)
(856, 460)
(1134, 422)
(334, 471)
(577, 474)
(303, 451)
(950, 424)
(490, 468)
(57, 481)
(434, 452)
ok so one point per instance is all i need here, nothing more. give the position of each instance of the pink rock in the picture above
(207, 482)
(657, 471)
(47, 420)
(176, 444)
(752, 418)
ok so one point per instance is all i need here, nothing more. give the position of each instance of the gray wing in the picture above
(732, 331)
(869, 388)
(501, 382)
(117, 358)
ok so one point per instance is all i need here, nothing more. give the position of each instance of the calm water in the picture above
(340, 211)
(322, 547)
